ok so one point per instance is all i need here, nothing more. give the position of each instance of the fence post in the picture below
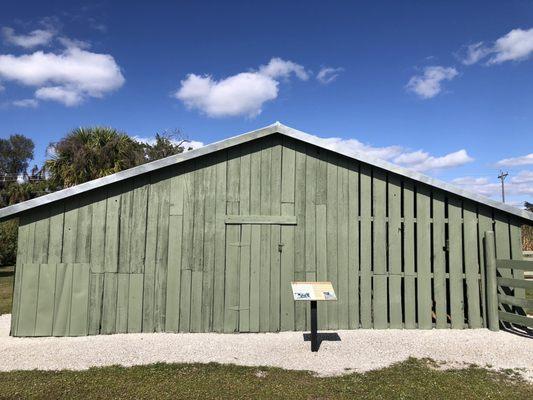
(491, 284)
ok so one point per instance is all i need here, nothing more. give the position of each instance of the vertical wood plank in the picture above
(288, 171)
(109, 306)
(28, 300)
(112, 229)
(321, 234)
(310, 219)
(409, 256)
(366, 248)
(331, 237)
(187, 254)
(84, 230)
(485, 224)
(135, 300)
(98, 230)
(209, 248)
(96, 292)
(246, 237)
(342, 247)
(139, 224)
(423, 257)
(70, 231)
(439, 259)
(395, 251)
(174, 252)
(196, 300)
(233, 238)
(198, 247)
(220, 246)
(42, 231)
(55, 244)
(264, 289)
(353, 245)
(125, 227)
(455, 263)
(471, 264)
(148, 324)
(80, 299)
(379, 239)
(275, 255)
(62, 301)
(45, 303)
(255, 240)
(123, 288)
(162, 254)
(22, 240)
(300, 308)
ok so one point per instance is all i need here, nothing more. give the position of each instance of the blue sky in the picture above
(446, 89)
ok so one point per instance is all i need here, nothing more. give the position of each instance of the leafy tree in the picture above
(166, 144)
(15, 155)
(8, 242)
(90, 153)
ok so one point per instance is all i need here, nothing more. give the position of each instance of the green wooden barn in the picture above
(209, 240)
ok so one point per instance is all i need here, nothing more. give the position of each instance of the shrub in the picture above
(8, 242)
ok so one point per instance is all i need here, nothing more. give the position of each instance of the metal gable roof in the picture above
(243, 138)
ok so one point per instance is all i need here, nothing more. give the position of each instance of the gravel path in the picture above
(359, 350)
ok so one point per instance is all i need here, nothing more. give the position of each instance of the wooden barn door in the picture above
(257, 278)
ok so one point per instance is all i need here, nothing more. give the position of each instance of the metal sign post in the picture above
(313, 292)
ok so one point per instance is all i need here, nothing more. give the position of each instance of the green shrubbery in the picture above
(8, 242)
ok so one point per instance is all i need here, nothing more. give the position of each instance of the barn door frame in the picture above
(257, 248)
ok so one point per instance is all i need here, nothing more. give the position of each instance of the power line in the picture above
(502, 177)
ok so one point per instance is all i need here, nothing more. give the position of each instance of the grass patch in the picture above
(6, 289)
(412, 379)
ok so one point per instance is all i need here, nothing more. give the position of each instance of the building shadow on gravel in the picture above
(323, 337)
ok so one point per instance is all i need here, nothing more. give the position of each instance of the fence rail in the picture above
(508, 275)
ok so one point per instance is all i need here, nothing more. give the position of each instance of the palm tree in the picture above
(90, 153)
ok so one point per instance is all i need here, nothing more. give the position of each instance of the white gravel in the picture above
(359, 350)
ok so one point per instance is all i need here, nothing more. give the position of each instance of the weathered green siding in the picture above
(169, 251)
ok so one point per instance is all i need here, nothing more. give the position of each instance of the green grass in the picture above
(6, 289)
(412, 379)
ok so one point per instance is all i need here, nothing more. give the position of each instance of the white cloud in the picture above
(328, 74)
(429, 84)
(38, 37)
(62, 94)
(523, 176)
(25, 103)
(520, 184)
(415, 160)
(515, 161)
(278, 68)
(240, 94)
(68, 77)
(516, 45)
(474, 53)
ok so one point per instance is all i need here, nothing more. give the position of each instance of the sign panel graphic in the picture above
(312, 291)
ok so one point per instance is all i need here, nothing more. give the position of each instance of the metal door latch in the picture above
(280, 247)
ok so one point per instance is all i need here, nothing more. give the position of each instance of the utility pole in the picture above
(502, 177)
